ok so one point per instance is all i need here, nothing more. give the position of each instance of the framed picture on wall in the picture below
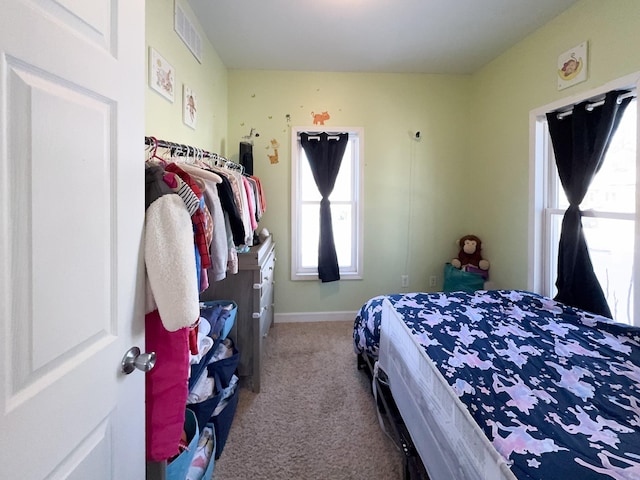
(572, 66)
(189, 107)
(161, 75)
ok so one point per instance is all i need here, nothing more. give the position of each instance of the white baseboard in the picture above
(314, 317)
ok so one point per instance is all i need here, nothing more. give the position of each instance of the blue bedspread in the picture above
(556, 390)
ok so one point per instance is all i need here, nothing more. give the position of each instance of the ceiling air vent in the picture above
(187, 32)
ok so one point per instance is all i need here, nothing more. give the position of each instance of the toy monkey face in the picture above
(469, 246)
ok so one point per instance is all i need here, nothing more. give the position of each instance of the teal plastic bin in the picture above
(456, 280)
(178, 468)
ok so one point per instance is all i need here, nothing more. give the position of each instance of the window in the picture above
(346, 209)
(609, 216)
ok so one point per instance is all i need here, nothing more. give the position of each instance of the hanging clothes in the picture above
(197, 218)
(168, 255)
(251, 203)
(166, 389)
(230, 206)
(261, 197)
(218, 248)
(239, 199)
(172, 306)
(197, 215)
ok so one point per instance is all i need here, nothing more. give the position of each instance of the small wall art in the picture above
(572, 66)
(275, 145)
(189, 107)
(320, 118)
(161, 75)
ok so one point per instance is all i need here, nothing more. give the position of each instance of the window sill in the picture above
(302, 277)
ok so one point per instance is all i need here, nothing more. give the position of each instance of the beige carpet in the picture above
(314, 418)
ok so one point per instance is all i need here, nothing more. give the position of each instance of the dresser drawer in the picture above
(256, 255)
(266, 320)
(266, 310)
(266, 296)
(265, 305)
(263, 287)
(266, 275)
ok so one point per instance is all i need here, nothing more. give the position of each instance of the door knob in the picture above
(134, 359)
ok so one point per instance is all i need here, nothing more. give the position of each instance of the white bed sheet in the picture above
(448, 440)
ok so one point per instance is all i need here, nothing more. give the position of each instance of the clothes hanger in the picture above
(154, 152)
(167, 154)
(200, 161)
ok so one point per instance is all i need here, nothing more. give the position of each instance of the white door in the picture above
(71, 218)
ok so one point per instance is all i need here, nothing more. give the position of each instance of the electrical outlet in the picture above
(433, 280)
(404, 280)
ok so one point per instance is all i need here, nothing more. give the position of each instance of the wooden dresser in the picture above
(252, 289)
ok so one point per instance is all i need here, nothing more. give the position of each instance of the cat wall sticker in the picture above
(320, 118)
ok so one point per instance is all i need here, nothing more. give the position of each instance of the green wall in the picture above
(468, 174)
(411, 196)
(207, 79)
(505, 91)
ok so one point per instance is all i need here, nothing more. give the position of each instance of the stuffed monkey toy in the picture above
(470, 253)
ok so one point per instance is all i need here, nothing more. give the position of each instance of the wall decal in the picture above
(320, 118)
(273, 159)
(189, 107)
(572, 66)
(161, 75)
(252, 134)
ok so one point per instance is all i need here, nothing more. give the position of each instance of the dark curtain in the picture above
(580, 142)
(325, 153)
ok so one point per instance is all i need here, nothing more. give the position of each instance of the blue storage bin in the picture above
(208, 309)
(208, 474)
(204, 459)
(224, 369)
(223, 421)
(229, 322)
(221, 371)
(178, 468)
(203, 410)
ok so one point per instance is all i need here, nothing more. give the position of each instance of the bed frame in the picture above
(413, 469)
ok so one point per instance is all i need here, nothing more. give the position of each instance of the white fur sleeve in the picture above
(170, 262)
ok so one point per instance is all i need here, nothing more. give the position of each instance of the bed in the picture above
(508, 384)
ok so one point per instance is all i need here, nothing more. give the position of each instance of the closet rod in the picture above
(593, 105)
(178, 148)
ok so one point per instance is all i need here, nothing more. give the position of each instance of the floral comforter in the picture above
(555, 389)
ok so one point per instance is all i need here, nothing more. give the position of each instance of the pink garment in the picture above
(261, 196)
(166, 388)
(170, 179)
(251, 203)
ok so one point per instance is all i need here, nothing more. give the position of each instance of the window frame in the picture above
(544, 184)
(352, 272)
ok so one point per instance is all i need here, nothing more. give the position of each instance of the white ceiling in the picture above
(405, 36)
